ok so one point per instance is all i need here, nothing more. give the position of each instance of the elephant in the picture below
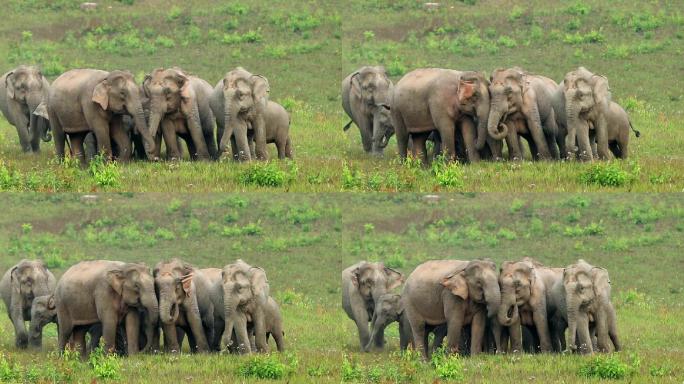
(85, 100)
(365, 99)
(22, 283)
(274, 327)
(243, 294)
(521, 105)
(580, 302)
(112, 293)
(362, 285)
(183, 292)
(525, 286)
(585, 100)
(22, 90)
(454, 292)
(430, 99)
(618, 126)
(239, 101)
(179, 103)
(277, 122)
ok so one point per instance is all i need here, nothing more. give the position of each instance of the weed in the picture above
(266, 174)
(592, 36)
(661, 370)
(448, 174)
(506, 234)
(447, 366)
(351, 371)
(351, 178)
(174, 206)
(264, 367)
(104, 365)
(578, 8)
(593, 229)
(608, 174)
(606, 367)
(516, 206)
(105, 173)
(396, 260)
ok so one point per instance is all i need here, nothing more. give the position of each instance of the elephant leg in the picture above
(243, 343)
(516, 337)
(420, 336)
(419, 148)
(477, 331)
(132, 331)
(541, 324)
(79, 342)
(402, 134)
(260, 334)
(170, 338)
(241, 141)
(280, 146)
(197, 332)
(513, 143)
(366, 130)
(37, 123)
(64, 330)
(121, 139)
(21, 123)
(288, 148)
(585, 344)
(496, 148)
(536, 129)
(192, 150)
(59, 138)
(109, 328)
(445, 125)
(77, 149)
(17, 317)
(100, 128)
(585, 150)
(360, 316)
(170, 139)
(455, 327)
(468, 132)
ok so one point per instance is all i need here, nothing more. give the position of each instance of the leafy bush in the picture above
(447, 366)
(351, 371)
(263, 174)
(104, 365)
(607, 367)
(268, 367)
(592, 36)
(105, 173)
(396, 67)
(448, 174)
(578, 8)
(606, 175)
(395, 260)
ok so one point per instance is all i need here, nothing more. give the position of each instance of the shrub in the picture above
(578, 8)
(105, 173)
(174, 13)
(606, 367)
(165, 42)
(506, 234)
(54, 260)
(351, 178)
(264, 367)
(517, 205)
(507, 42)
(592, 36)
(104, 365)
(447, 366)
(395, 260)
(606, 175)
(351, 371)
(266, 174)
(396, 67)
(448, 174)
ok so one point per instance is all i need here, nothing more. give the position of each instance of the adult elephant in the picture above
(521, 105)
(366, 100)
(586, 102)
(581, 302)
(84, 100)
(430, 99)
(238, 102)
(454, 292)
(22, 90)
(109, 292)
(179, 103)
(185, 302)
(362, 285)
(243, 291)
(525, 286)
(22, 283)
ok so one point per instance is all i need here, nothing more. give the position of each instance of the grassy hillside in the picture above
(303, 241)
(306, 47)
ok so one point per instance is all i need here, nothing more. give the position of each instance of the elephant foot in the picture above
(22, 342)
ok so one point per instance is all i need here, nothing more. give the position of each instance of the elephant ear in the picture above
(51, 302)
(9, 85)
(41, 110)
(101, 95)
(115, 278)
(260, 87)
(601, 90)
(466, 89)
(259, 281)
(146, 84)
(601, 281)
(456, 283)
(394, 278)
(186, 283)
(355, 276)
(355, 84)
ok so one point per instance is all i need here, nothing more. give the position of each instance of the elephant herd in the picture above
(468, 116)
(95, 111)
(524, 306)
(127, 305)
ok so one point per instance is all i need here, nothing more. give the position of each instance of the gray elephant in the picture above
(243, 294)
(179, 103)
(585, 100)
(22, 283)
(108, 292)
(521, 104)
(238, 102)
(366, 100)
(277, 122)
(525, 287)
(362, 285)
(581, 302)
(185, 302)
(84, 100)
(444, 100)
(454, 292)
(618, 126)
(22, 90)
(273, 325)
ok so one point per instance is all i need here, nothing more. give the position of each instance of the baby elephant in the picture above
(277, 122)
(274, 327)
(618, 124)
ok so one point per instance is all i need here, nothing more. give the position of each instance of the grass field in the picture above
(305, 240)
(306, 47)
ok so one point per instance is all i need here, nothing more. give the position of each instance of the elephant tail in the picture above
(346, 127)
(636, 133)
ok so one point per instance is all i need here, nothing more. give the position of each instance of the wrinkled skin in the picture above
(238, 102)
(521, 105)
(586, 100)
(22, 283)
(179, 106)
(108, 292)
(22, 91)
(85, 100)
(184, 302)
(277, 122)
(525, 286)
(454, 292)
(365, 99)
(618, 127)
(581, 302)
(442, 100)
(362, 285)
(243, 292)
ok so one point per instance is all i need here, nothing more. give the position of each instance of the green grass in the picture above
(306, 48)
(304, 240)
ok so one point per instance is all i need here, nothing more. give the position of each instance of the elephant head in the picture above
(373, 87)
(28, 87)
(245, 96)
(374, 280)
(173, 282)
(516, 280)
(168, 91)
(134, 287)
(245, 295)
(388, 309)
(477, 282)
(578, 280)
(473, 96)
(506, 91)
(119, 94)
(43, 312)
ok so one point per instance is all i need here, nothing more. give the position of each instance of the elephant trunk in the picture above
(496, 130)
(36, 332)
(36, 125)
(573, 311)
(142, 127)
(229, 313)
(377, 328)
(573, 121)
(168, 308)
(149, 302)
(482, 119)
(508, 311)
(492, 295)
(378, 134)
